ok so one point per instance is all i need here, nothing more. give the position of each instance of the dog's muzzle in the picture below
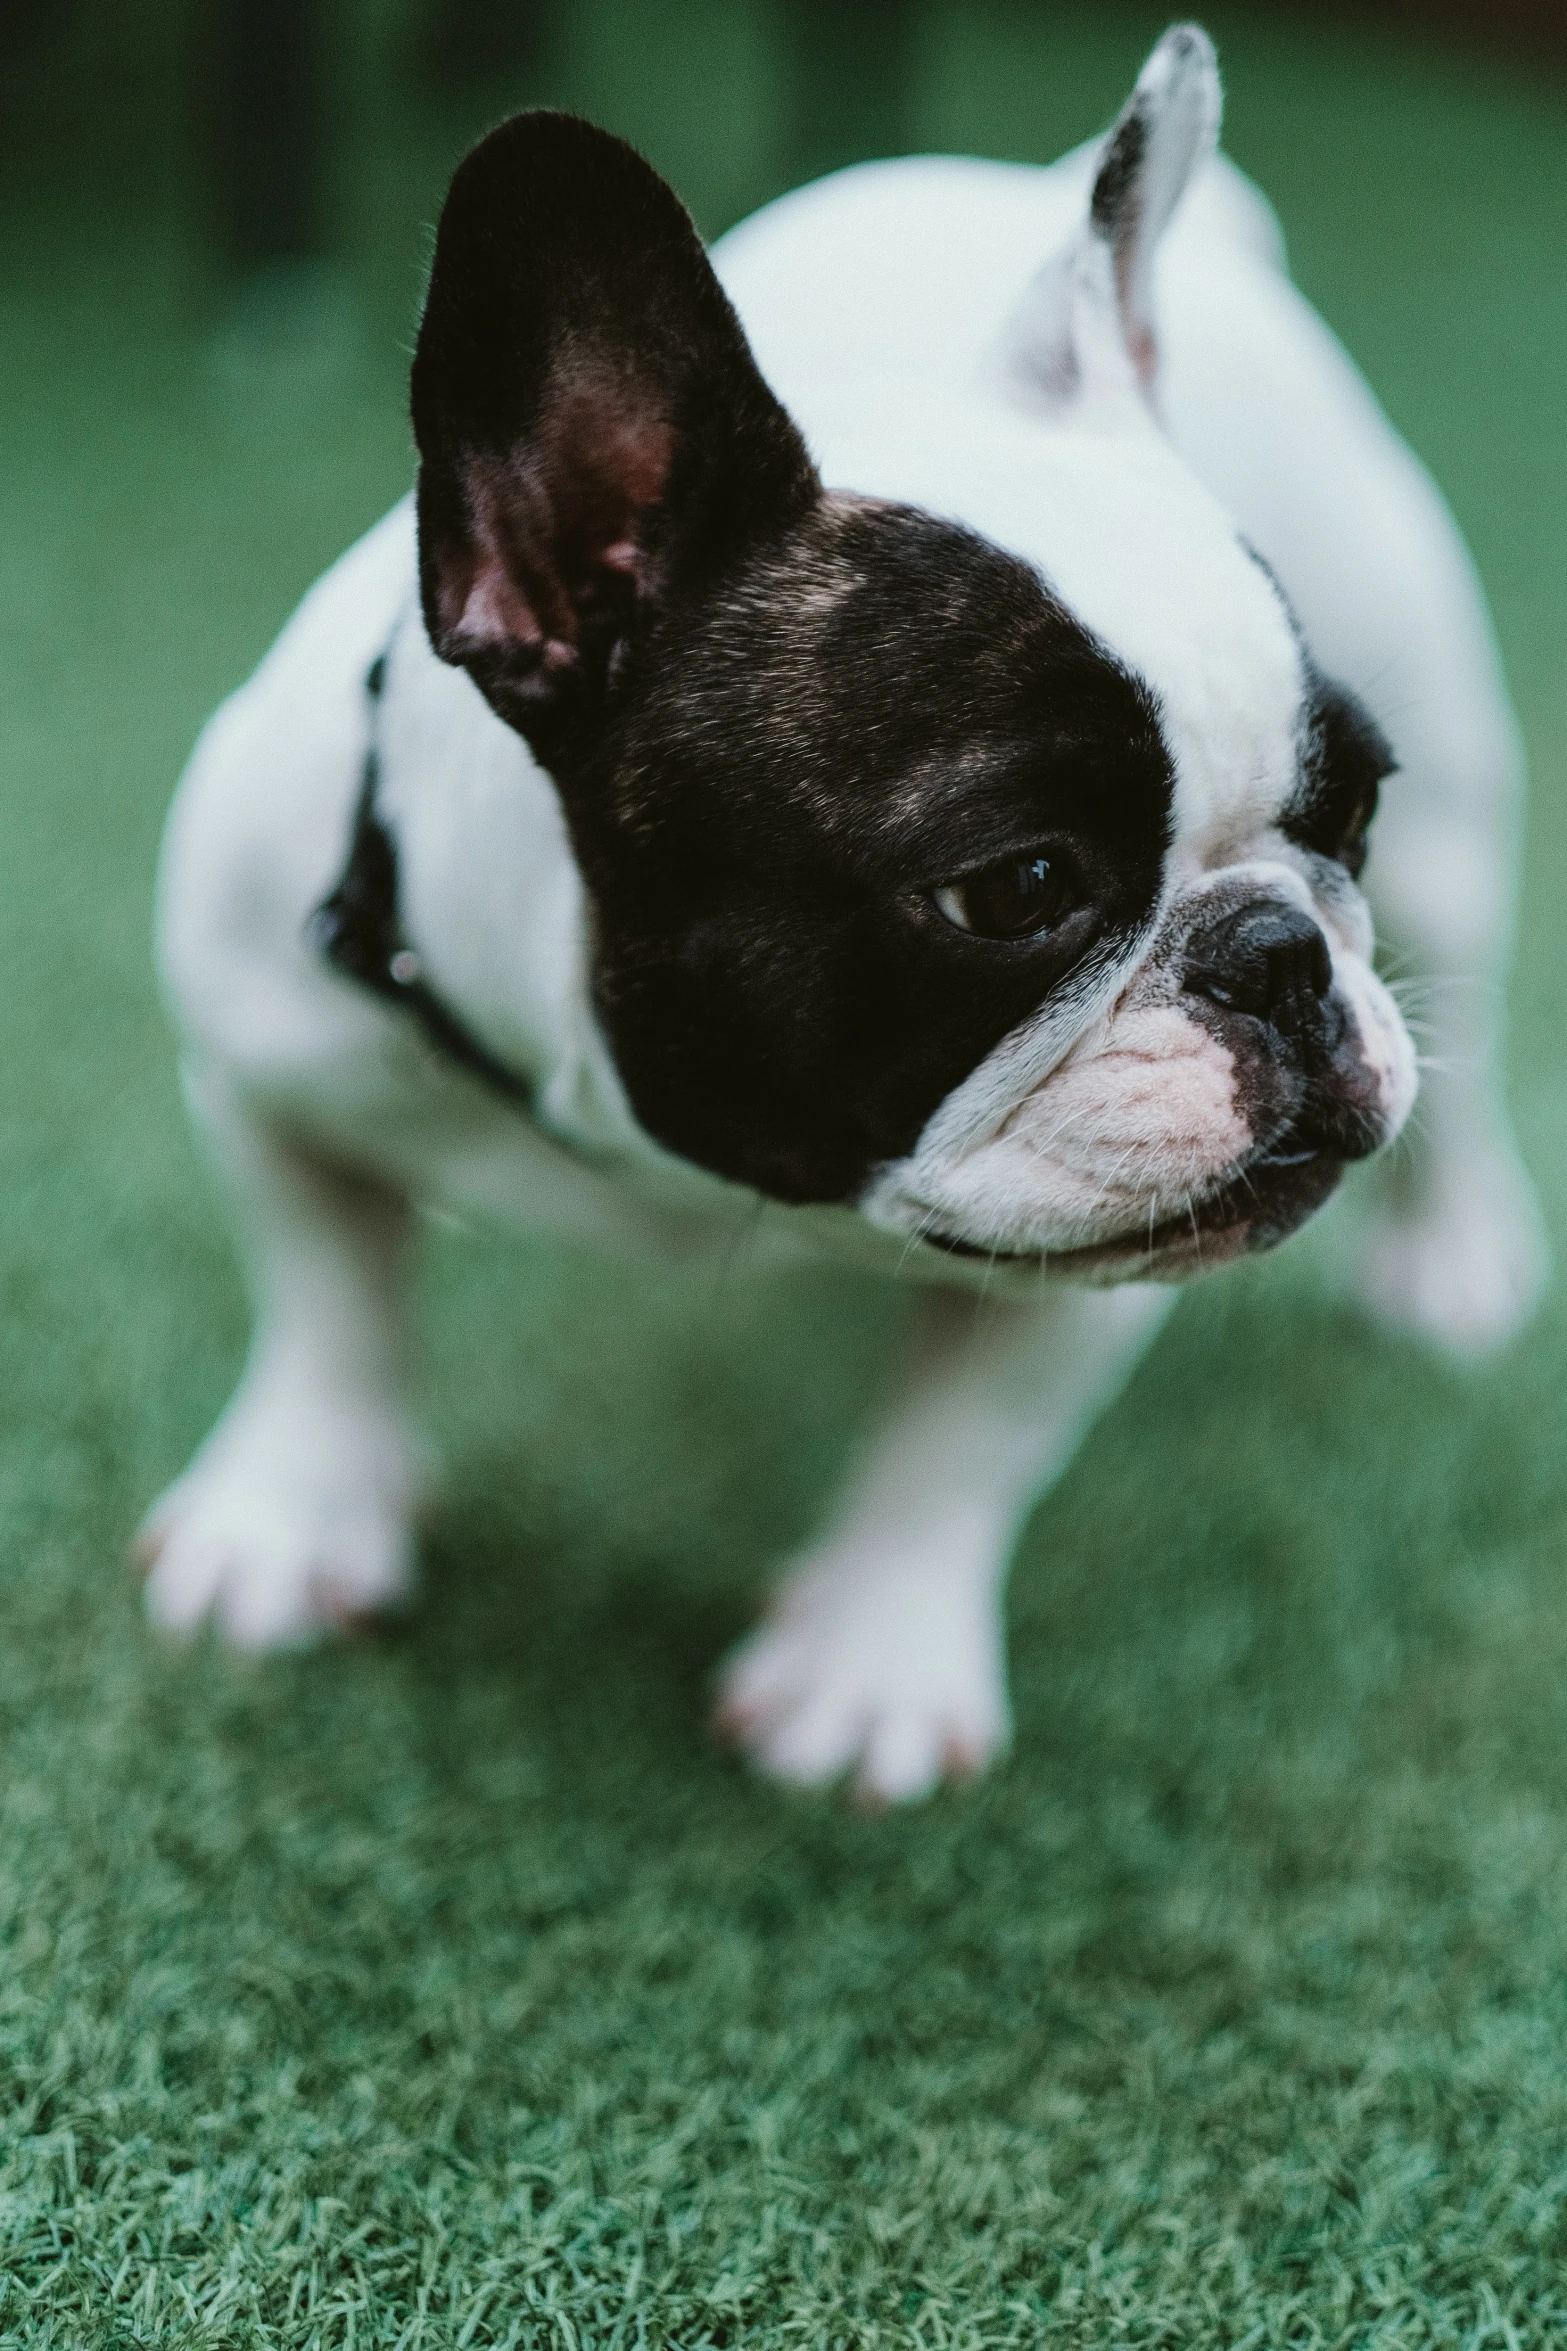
(1258, 974)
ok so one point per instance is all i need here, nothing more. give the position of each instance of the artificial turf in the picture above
(450, 1989)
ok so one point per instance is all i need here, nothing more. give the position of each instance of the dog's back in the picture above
(904, 284)
(914, 269)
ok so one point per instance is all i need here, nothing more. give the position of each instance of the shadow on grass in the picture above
(1292, 1548)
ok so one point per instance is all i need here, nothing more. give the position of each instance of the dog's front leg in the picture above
(296, 1515)
(883, 1652)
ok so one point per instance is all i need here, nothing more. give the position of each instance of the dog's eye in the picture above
(1353, 826)
(1347, 757)
(1017, 898)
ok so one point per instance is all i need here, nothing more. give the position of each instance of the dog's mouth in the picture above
(1263, 1203)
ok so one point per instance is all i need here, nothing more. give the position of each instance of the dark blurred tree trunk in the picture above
(1537, 26)
(849, 80)
(25, 25)
(483, 39)
(266, 129)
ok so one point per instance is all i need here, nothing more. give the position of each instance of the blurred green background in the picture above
(450, 1989)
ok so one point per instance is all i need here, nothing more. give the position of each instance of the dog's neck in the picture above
(489, 900)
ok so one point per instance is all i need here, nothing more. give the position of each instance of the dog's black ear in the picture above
(595, 437)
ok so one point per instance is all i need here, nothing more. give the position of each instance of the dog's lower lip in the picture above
(1143, 1242)
(1283, 1158)
(953, 1247)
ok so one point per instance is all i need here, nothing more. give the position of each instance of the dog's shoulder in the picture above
(262, 807)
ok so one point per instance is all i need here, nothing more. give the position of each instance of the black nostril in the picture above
(1258, 957)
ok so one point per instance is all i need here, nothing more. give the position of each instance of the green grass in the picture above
(450, 1989)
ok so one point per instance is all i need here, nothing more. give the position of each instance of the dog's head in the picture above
(996, 875)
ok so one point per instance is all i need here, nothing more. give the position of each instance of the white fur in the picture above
(889, 306)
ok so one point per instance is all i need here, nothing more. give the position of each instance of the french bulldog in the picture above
(861, 743)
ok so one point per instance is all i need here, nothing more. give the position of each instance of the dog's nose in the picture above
(1259, 959)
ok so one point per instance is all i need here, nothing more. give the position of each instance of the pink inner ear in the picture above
(554, 522)
(604, 458)
(1133, 262)
(493, 609)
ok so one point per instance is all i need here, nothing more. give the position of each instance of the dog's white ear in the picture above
(1086, 330)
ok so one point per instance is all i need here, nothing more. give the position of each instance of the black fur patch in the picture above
(777, 720)
(877, 705)
(1117, 196)
(359, 929)
(1344, 758)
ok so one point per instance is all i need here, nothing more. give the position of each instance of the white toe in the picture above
(899, 1683)
(902, 1760)
(275, 1551)
(815, 1739)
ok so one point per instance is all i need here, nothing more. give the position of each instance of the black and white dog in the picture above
(860, 781)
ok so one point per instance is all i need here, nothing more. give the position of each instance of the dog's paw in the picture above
(274, 1553)
(899, 1681)
(1462, 1268)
